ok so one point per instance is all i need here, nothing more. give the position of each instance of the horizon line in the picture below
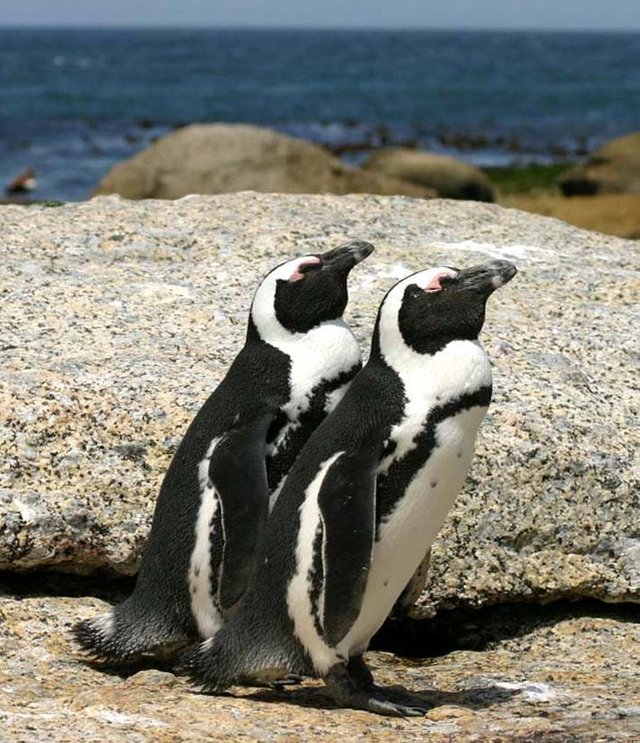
(272, 27)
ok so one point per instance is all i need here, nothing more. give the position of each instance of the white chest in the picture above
(431, 383)
(408, 530)
(322, 354)
(317, 357)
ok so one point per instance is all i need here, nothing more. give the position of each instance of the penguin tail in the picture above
(216, 663)
(124, 634)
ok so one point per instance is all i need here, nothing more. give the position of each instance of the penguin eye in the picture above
(447, 281)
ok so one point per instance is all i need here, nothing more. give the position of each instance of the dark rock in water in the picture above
(24, 182)
(464, 142)
(450, 178)
(614, 168)
(223, 158)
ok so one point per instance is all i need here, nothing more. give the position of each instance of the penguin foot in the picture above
(363, 678)
(347, 693)
(359, 672)
(402, 698)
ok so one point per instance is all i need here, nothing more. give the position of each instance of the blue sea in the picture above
(74, 102)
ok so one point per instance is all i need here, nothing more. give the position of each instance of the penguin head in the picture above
(305, 292)
(430, 308)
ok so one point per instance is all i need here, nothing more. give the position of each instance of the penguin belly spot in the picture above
(409, 530)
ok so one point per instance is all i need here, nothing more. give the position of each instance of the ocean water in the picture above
(74, 102)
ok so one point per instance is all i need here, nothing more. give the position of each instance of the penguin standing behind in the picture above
(297, 361)
(367, 496)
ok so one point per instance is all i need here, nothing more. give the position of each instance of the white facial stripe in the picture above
(392, 345)
(262, 308)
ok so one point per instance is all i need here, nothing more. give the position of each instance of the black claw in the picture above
(391, 709)
(403, 698)
(347, 693)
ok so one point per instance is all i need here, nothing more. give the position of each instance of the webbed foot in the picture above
(348, 693)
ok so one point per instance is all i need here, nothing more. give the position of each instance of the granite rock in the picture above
(612, 168)
(222, 158)
(448, 177)
(119, 318)
(573, 678)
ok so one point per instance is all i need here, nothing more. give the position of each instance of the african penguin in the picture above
(366, 496)
(297, 361)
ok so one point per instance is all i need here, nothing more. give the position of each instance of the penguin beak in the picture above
(487, 277)
(346, 256)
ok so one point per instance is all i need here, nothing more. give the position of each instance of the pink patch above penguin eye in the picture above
(434, 284)
(298, 274)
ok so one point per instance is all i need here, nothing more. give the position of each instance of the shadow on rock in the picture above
(318, 698)
(483, 629)
(25, 584)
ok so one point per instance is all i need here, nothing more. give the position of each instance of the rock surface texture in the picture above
(448, 177)
(119, 318)
(223, 158)
(614, 168)
(116, 321)
(575, 679)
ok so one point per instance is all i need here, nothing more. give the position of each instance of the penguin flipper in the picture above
(238, 472)
(347, 507)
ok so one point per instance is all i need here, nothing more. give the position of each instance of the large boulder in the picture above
(614, 168)
(450, 178)
(224, 158)
(120, 317)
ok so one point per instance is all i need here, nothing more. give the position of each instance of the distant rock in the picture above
(614, 168)
(450, 178)
(120, 318)
(224, 158)
(24, 182)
